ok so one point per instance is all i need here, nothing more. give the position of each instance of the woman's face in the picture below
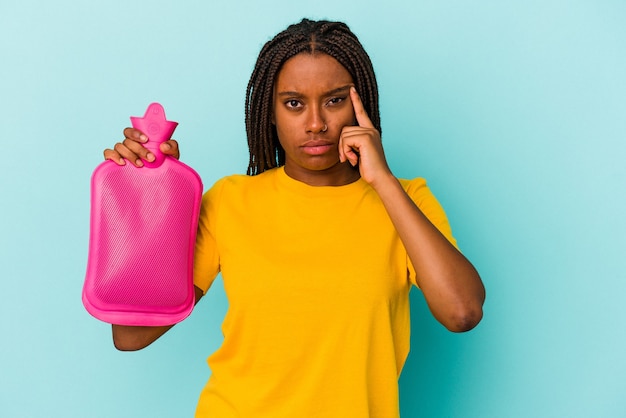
(311, 106)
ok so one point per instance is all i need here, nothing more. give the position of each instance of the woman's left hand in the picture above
(362, 145)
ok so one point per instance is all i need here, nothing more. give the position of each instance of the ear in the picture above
(273, 119)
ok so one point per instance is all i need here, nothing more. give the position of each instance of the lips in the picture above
(317, 147)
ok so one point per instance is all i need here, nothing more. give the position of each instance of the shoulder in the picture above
(416, 188)
(423, 197)
(413, 184)
(426, 201)
(244, 180)
(239, 184)
(233, 180)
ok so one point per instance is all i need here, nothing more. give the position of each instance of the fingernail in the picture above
(150, 157)
(139, 163)
(122, 161)
(143, 138)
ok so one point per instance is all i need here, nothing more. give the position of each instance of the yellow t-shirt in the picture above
(318, 283)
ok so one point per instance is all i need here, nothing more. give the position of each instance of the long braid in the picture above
(332, 38)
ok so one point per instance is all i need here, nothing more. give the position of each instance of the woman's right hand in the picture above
(132, 149)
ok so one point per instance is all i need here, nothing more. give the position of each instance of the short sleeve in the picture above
(418, 191)
(206, 255)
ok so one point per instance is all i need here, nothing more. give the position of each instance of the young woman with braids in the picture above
(318, 245)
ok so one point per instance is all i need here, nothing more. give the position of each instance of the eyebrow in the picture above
(328, 93)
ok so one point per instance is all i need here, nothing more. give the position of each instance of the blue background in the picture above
(514, 111)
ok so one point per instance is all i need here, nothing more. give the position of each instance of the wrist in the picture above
(385, 183)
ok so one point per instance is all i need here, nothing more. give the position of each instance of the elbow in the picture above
(465, 322)
(468, 312)
(465, 318)
(124, 340)
(126, 345)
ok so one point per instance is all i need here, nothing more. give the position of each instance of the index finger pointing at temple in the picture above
(362, 117)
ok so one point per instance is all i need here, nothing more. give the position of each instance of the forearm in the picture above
(452, 287)
(132, 338)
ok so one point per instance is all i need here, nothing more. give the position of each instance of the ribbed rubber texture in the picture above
(143, 228)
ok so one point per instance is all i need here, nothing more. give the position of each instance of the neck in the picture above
(337, 175)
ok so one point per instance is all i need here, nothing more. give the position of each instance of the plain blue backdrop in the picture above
(514, 111)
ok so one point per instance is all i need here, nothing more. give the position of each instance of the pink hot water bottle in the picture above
(142, 235)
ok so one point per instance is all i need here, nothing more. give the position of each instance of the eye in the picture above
(293, 104)
(335, 101)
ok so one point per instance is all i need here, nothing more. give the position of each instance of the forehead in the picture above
(307, 71)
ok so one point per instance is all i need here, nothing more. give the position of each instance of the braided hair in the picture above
(331, 38)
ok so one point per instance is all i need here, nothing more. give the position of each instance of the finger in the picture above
(132, 151)
(359, 111)
(114, 156)
(170, 147)
(132, 147)
(351, 155)
(342, 155)
(135, 135)
(347, 151)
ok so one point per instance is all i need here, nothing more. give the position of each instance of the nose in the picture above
(315, 122)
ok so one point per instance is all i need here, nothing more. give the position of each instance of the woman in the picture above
(318, 245)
